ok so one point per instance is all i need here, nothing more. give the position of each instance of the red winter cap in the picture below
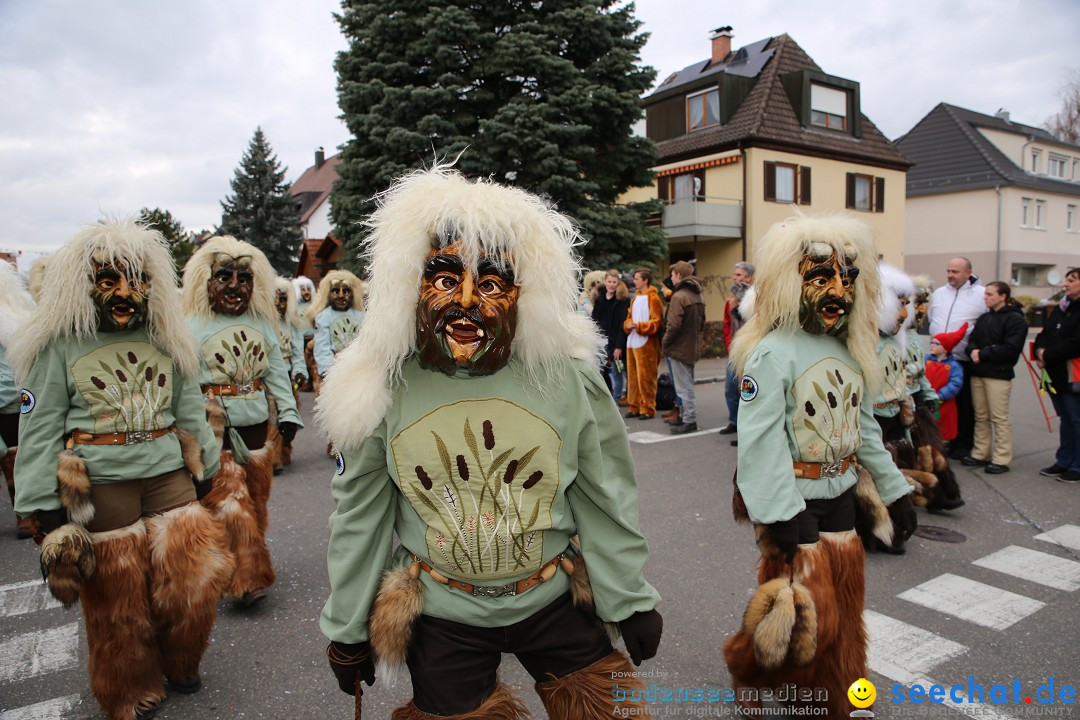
(948, 340)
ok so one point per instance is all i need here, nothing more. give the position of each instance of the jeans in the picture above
(682, 375)
(1067, 406)
(731, 393)
(618, 380)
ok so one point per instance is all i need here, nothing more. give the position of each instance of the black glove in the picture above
(351, 662)
(299, 379)
(904, 520)
(785, 536)
(46, 521)
(202, 487)
(641, 632)
(288, 431)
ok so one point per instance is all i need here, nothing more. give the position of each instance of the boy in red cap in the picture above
(946, 375)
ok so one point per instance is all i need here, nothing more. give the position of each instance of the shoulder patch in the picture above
(748, 388)
(26, 401)
(339, 460)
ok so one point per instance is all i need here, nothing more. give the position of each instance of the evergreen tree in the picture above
(260, 210)
(178, 239)
(541, 95)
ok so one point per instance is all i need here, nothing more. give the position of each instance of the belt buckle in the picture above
(494, 591)
(831, 470)
(136, 437)
(246, 388)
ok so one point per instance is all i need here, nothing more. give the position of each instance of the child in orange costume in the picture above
(643, 346)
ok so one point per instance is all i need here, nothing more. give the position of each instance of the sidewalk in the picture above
(707, 370)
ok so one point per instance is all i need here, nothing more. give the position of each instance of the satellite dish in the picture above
(1053, 277)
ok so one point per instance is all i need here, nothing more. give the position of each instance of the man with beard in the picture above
(808, 362)
(291, 342)
(338, 313)
(112, 435)
(486, 441)
(305, 292)
(229, 300)
(15, 307)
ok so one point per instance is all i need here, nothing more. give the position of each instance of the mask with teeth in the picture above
(828, 291)
(120, 296)
(231, 284)
(466, 317)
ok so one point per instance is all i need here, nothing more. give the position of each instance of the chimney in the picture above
(721, 43)
(1002, 114)
(320, 158)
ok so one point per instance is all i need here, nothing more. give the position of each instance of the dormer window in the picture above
(702, 110)
(828, 107)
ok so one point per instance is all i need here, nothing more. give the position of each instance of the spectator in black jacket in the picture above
(994, 346)
(611, 303)
(1056, 349)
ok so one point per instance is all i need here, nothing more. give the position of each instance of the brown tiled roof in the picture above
(314, 185)
(767, 118)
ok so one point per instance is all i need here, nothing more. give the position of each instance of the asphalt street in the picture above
(1000, 604)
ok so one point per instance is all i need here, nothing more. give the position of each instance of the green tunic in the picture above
(116, 382)
(291, 344)
(237, 350)
(487, 479)
(893, 389)
(803, 398)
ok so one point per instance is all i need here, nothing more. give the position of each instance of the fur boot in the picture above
(259, 476)
(67, 560)
(24, 528)
(500, 705)
(589, 693)
(231, 503)
(189, 568)
(397, 606)
(125, 667)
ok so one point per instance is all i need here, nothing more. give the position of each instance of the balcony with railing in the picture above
(701, 217)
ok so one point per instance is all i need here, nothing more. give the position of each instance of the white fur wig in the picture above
(299, 283)
(284, 285)
(201, 266)
(66, 307)
(16, 305)
(895, 284)
(37, 274)
(483, 217)
(778, 286)
(322, 299)
(923, 285)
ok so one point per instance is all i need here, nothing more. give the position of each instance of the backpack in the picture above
(665, 392)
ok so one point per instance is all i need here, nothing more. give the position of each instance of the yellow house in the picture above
(746, 137)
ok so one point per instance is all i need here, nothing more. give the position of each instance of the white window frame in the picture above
(1070, 218)
(1025, 212)
(1040, 213)
(829, 107)
(1036, 155)
(1060, 162)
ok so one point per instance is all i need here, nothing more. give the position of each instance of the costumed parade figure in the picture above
(643, 323)
(808, 364)
(305, 293)
(16, 306)
(486, 441)
(338, 312)
(229, 301)
(291, 342)
(113, 434)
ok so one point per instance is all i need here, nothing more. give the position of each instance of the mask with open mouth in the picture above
(341, 295)
(465, 318)
(120, 297)
(231, 284)
(828, 292)
(281, 302)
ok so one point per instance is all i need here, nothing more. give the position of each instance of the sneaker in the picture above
(995, 469)
(252, 597)
(1071, 476)
(643, 416)
(683, 428)
(728, 429)
(973, 461)
(1053, 471)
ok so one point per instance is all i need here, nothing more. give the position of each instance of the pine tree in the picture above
(260, 210)
(542, 95)
(178, 239)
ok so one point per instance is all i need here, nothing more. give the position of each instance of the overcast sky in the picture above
(110, 106)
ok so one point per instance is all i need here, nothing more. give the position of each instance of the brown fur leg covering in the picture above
(231, 504)
(215, 416)
(67, 560)
(74, 488)
(500, 705)
(397, 606)
(189, 568)
(589, 693)
(125, 668)
(192, 453)
(845, 657)
(259, 476)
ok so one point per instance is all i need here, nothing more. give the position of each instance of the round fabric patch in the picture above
(26, 401)
(340, 460)
(748, 388)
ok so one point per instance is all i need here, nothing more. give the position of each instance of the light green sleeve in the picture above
(277, 380)
(41, 433)
(873, 456)
(604, 501)
(766, 478)
(361, 538)
(299, 365)
(324, 344)
(189, 409)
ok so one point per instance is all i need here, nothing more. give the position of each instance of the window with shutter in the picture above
(804, 186)
(770, 181)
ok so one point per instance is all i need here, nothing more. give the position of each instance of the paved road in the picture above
(1001, 604)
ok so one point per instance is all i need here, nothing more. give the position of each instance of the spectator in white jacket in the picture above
(961, 300)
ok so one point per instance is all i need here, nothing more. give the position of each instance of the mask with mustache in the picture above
(120, 297)
(231, 284)
(465, 319)
(341, 295)
(828, 292)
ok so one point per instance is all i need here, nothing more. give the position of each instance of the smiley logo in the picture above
(862, 693)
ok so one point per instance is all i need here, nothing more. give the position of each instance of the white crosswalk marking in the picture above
(648, 437)
(25, 597)
(48, 710)
(1066, 536)
(973, 601)
(40, 652)
(1038, 567)
(903, 652)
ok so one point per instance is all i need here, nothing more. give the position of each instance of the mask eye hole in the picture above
(445, 283)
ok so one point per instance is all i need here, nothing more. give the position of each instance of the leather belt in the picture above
(817, 471)
(129, 438)
(546, 572)
(233, 390)
(886, 405)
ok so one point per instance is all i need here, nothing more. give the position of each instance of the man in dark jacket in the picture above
(611, 302)
(994, 346)
(1056, 349)
(685, 321)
